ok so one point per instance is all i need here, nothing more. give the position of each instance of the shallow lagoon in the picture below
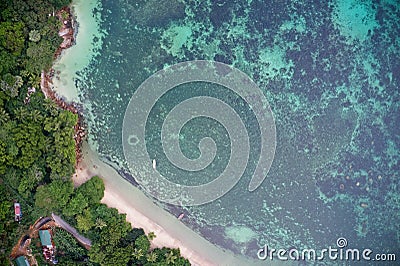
(330, 74)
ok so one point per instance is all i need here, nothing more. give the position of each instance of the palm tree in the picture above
(34, 35)
(34, 80)
(37, 172)
(4, 116)
(170, 257)
(151, 257)
(21, 113)
(24, 73)
(18, 81)
(151, 236)
(48, 145)
(35, 116)
(100, 223)
(50, 107)
(137, 253)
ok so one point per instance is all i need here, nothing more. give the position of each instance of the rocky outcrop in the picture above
(67, 33)
(79, 128)
(67, 29)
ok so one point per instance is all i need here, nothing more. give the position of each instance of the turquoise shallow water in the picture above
(330, 72)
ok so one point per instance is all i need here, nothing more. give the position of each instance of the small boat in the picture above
(181, 216)
(154, 164)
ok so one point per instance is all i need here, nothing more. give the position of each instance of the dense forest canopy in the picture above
(37, 154)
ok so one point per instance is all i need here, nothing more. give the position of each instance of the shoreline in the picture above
(119, 193)
(68, 33)
(141, 212)
(86, 41)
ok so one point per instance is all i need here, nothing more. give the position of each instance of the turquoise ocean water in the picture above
(331, 73)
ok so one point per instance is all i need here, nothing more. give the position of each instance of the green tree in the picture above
(97, 254)
(12, 176)
(59, 3)
(29, 139)
(8, 62)
(5, 211)
(30, 180)
(5, 207)
(10, 84)
(142, 243)
(138, 253)
(40, 55)
(3, 158)
(8, 149)
(100, 223)
(167, 256)
(131, 236)
(85, 221)
(61, 160)
(21, 114)
(50, 107)
(48, 145)
(12, 36)
(170, 257)
(26, 148)
(109, 257)
(71, 251)
(117, 226)
(18, 81)
(53, 196)
(151, 257)
(34, 80)
(34, 35)
(4, 116)
(93, 189)
(35, 116)
(151, 236)
(77, 203)
(141, 248)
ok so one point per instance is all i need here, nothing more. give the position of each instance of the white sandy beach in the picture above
(119, 193)
(143, 213)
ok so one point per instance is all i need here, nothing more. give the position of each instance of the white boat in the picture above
(154, 164)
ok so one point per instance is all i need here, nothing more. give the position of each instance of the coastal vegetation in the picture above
(37, 154)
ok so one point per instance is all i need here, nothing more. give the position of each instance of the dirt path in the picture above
(64, 225)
